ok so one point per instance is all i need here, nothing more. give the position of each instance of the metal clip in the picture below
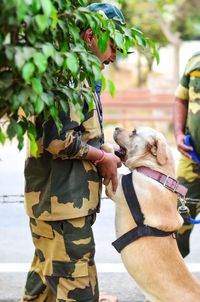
(183, 209)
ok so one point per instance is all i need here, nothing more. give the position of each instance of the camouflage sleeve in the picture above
(68, 142)
(182, 91)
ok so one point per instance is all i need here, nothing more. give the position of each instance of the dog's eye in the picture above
(133, 133)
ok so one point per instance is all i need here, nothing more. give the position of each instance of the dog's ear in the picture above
(158, 148)
(162, 154)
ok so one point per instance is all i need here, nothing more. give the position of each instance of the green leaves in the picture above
(39, 105)
(88, 97)
(28, 70)
(119, 40)
(48, 50)
(55, 115)
(49, 17)
(154, 50)
(96, 72)
(103, 41)
(14, 129)
(111, 87)
(47, 7)
(72, 63)
(2, 137)
(40, 61)
(42, 22)
(31, 132)
(22, 8)
(36, 5)
(37, 86)
(43, 60)
(6, 79)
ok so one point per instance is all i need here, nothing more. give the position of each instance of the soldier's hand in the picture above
(181, 146)
(108, 169)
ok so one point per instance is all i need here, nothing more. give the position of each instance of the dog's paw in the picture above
(107, 147)
(109, 191)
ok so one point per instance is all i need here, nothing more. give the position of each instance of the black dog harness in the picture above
(141, 230)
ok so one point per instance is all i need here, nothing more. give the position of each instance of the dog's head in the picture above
(142, 147)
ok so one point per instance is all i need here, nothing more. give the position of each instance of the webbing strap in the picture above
(136, 233)
(131, 198)
(141, 230)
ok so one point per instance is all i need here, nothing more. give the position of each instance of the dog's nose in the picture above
(117, 128)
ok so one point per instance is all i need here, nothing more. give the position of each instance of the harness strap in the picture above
(141, 230)
(131, 198)
(136, 233)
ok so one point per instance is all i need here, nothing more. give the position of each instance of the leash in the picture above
(184, 211)
(193, 221)
(189, 142)
(192, 200)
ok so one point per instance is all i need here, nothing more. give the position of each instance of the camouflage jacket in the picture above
(59, 183)
(189, 90)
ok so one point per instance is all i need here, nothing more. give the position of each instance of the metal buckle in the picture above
(168, 187)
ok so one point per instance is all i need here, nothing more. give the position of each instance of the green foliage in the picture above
(111, 87)
(41, 52)
(142, 14)
(181, 17)
(187, 21)
(164, 21)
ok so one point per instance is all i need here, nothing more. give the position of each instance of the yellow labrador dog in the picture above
(153, 261)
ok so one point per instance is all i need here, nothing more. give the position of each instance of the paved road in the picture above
(16, 248)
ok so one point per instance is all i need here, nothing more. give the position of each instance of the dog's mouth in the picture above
(121, 153)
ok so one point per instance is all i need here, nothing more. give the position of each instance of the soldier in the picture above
(62, 194)
(186, 122)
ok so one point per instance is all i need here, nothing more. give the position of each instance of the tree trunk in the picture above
(4, 111)
(176, 64)
(139, 71)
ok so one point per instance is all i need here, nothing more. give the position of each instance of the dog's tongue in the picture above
(120, 153)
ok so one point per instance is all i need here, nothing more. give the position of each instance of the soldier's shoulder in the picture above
(193, 63)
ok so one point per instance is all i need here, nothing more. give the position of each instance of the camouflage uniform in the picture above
(62, 196)
(188, 171)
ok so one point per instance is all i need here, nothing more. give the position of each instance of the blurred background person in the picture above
(187, 134)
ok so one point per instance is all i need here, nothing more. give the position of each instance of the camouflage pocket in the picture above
(75, 283)
(70, 269)
(66, 253)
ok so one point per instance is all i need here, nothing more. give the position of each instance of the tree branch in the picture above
(4, 111)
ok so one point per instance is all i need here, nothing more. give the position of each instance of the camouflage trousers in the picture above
(63, 268)
(188, 174)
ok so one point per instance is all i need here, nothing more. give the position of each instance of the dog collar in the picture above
(167, 181)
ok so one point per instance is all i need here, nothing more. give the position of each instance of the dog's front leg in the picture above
(107, 147)
(109, 191)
